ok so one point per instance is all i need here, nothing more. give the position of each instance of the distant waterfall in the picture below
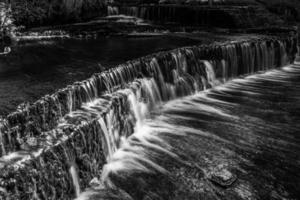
(216, 16)
(92, 121)
(112, 10)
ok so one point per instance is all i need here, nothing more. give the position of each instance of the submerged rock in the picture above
(222, 176)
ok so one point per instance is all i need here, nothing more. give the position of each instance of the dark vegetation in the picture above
(289, 10)
(31, 13)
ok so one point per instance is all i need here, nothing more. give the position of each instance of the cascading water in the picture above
(182, 127)
(111, 10)
(75, 180)
(207, 16)
(107, 119)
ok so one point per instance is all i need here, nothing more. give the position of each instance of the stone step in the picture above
(61, 159)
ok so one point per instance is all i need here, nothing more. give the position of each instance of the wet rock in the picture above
(96, 183)
(222, 176)
(32, 141)
(3, 191)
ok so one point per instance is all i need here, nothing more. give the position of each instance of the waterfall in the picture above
(216, 16)
(145, 151)
(105, 119)
(112, 10)
(75, 180)
(2, 127)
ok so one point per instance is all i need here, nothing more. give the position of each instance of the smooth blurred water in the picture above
(37, 68)
(247, 127)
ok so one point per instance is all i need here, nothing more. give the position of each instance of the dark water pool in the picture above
(36, 68)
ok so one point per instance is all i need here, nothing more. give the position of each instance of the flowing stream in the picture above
(216, 121)
(243, 128)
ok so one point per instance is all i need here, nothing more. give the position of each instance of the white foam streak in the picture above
(75, 180)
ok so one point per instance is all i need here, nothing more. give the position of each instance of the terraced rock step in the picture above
(46, 170)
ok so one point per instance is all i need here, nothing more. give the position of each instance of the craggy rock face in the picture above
(37, 13)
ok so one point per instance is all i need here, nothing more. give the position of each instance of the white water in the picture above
(136, 154)
(75, 180)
